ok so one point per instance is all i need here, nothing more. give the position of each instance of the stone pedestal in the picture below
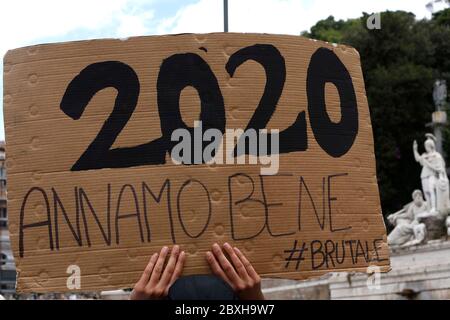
(435, 226)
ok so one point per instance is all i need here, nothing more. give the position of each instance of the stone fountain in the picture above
(423, 220)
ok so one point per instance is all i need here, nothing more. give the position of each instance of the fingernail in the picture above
(164, 249)
(235, 248)
(208, 254)
(226, 244)
(216, 246)
(175, 249)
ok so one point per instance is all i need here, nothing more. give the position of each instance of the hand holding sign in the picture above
(158, 277)
(235, 270)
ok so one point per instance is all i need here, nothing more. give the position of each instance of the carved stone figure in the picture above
(408, 230)
(435, 183)
(440, 92)
(421, 220)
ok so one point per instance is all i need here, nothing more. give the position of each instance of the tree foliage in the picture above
(400, 62)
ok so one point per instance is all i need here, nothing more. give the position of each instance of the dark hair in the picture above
(201, 287)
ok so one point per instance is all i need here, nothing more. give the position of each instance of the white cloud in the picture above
(200, 17)
(24, 21)
(133, 25)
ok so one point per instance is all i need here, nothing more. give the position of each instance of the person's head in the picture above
(417, 197)
(429, 145)
(201, 287)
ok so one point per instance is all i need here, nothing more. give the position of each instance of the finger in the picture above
(248, 266)
(237, 263)
(145, 277)
(157, 270)
(148, 271)
(225, 264)
(178, 267)
(170, 267)
(216, 269)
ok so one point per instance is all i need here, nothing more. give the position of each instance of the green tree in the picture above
(331, 30)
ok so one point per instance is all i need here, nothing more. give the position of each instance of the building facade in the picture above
(7, 267)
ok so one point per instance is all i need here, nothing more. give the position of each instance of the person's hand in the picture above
(239, 273)
(156, 280)
(415, 145)
(391, 218)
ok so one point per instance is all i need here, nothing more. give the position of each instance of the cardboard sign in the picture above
(94, 189)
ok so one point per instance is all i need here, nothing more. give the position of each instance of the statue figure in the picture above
(422, 220)
(408, 230)
(439, 93)
(435, 183)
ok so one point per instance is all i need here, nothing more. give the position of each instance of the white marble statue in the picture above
(412, 221)
(435, 183)
(408, 230)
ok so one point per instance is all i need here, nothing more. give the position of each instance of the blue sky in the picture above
(27, 22)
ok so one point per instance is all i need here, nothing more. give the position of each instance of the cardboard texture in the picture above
(97, 188)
